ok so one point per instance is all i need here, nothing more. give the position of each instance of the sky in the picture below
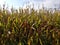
(37, 3)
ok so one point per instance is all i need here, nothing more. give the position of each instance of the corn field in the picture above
(29, 28)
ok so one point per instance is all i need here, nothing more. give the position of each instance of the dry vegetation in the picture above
(29, 28)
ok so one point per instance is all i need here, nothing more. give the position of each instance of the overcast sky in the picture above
(23, 3)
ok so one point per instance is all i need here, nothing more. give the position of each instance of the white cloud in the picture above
(51, 3)
(46, 3)
(2, 2)
(35, 2)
